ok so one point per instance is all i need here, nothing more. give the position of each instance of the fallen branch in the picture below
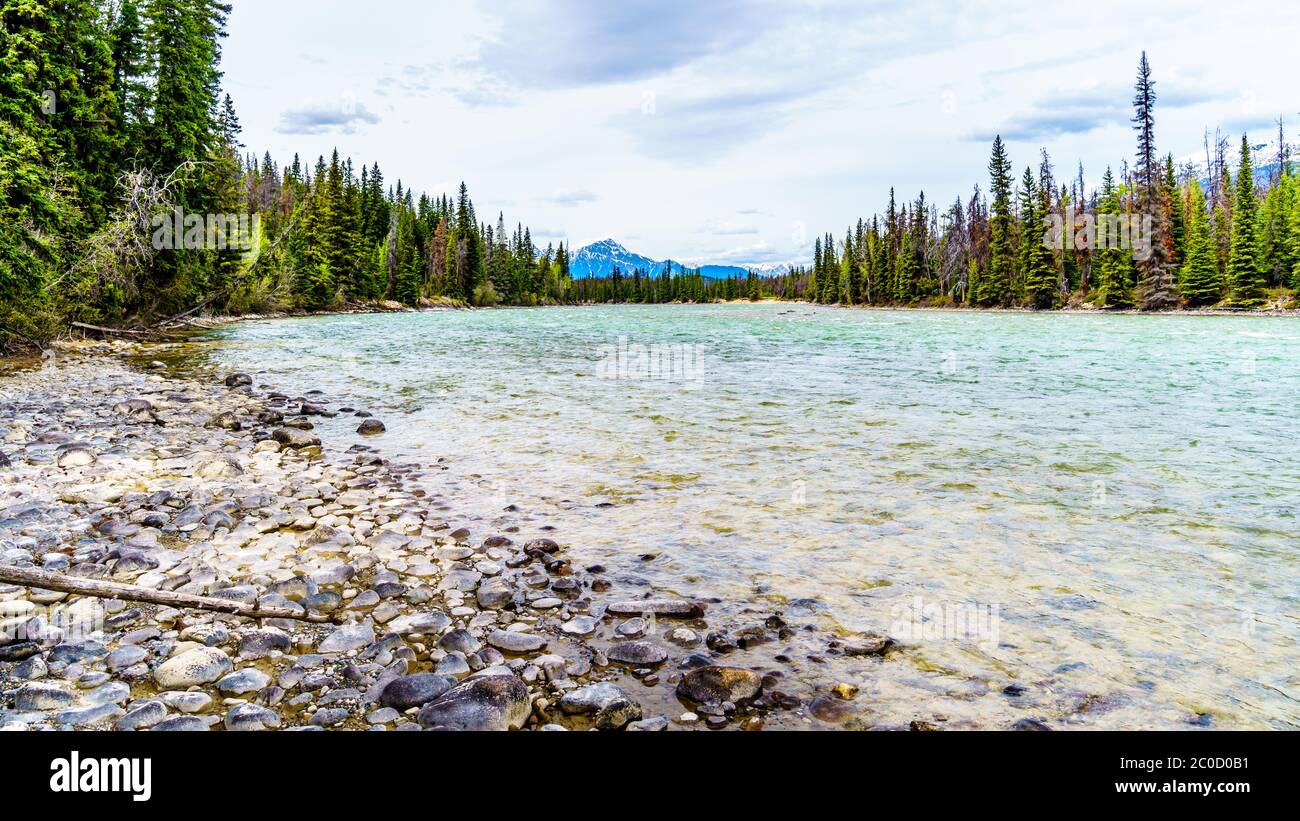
(23, 337)
(45, 580)
(101, 330)
(205, 303)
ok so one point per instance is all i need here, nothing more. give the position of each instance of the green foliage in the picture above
(1277, 254)
(1038, 266)
(94, 93)
(1246, 280)
(995, 281)
(1116, 274)
(1201, 282)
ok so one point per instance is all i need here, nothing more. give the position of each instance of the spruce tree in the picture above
(814, 279)
(1295, 231)
(185, 36)
(130, 83)
(1042, 278)
(1115, 263)
(1276, 256)
(1201, 282)
(905, 269)
(995, 282)
(1177, 221)
(847, 277)
(1222, 224)
(1245, 277)
(1155, 266)
(1029, 222)
(33, 215)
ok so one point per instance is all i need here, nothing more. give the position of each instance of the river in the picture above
(1096, 511)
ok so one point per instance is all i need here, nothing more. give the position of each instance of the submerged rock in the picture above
(830, 710)
(868, 644)
(495, 594)
(715, 685)
(638, 652)
(580, 626)
(488, 703)
(651, 725)
(295, 438)
(1031, 725)
(461, 641)
(662, 608)
(612, 707)
(262, 643)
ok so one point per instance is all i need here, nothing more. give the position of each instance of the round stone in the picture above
(638, 652)
(715, 685)
(202, 665)
(414, 691)
(580, 626)
(509, 641)
(248, 680)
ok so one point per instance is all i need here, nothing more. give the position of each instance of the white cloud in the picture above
(672, 115)
(342, 117)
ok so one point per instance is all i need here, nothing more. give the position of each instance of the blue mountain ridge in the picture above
(599, 260)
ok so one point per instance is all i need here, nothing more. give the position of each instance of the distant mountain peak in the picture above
(599, 260)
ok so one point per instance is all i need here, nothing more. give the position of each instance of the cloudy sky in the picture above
(734, 131)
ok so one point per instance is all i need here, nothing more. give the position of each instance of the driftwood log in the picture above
(44, 580)
(83, 326)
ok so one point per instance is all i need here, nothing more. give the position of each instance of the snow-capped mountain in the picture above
(774, 269)
(599, 260)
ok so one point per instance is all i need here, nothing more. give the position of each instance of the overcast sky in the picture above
(734, 131)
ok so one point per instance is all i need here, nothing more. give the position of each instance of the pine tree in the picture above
(1222, 224)
(1245, 277)
(1276, 256)
(814, 286)
(130, 85)
(830, 278)
(33, 214)
(1295, 231)
(1029, 222)
(185, 35)
(995, 282)
(1201, 282)
(1041, 276)
(848, 272)
(1115, 262)
(1155, 266)
(905, 269)
(1176, 217)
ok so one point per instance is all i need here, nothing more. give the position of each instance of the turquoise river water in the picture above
(1101, 507)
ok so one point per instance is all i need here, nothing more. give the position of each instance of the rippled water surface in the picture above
(1117, 493)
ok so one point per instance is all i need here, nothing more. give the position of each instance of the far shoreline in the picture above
(198, 325)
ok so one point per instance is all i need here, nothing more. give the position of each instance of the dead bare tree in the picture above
(118, 253)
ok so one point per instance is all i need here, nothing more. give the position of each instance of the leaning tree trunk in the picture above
(45, 580)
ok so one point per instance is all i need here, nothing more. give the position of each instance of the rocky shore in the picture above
(220, 487)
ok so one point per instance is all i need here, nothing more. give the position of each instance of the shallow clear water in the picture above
(1096, 505)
